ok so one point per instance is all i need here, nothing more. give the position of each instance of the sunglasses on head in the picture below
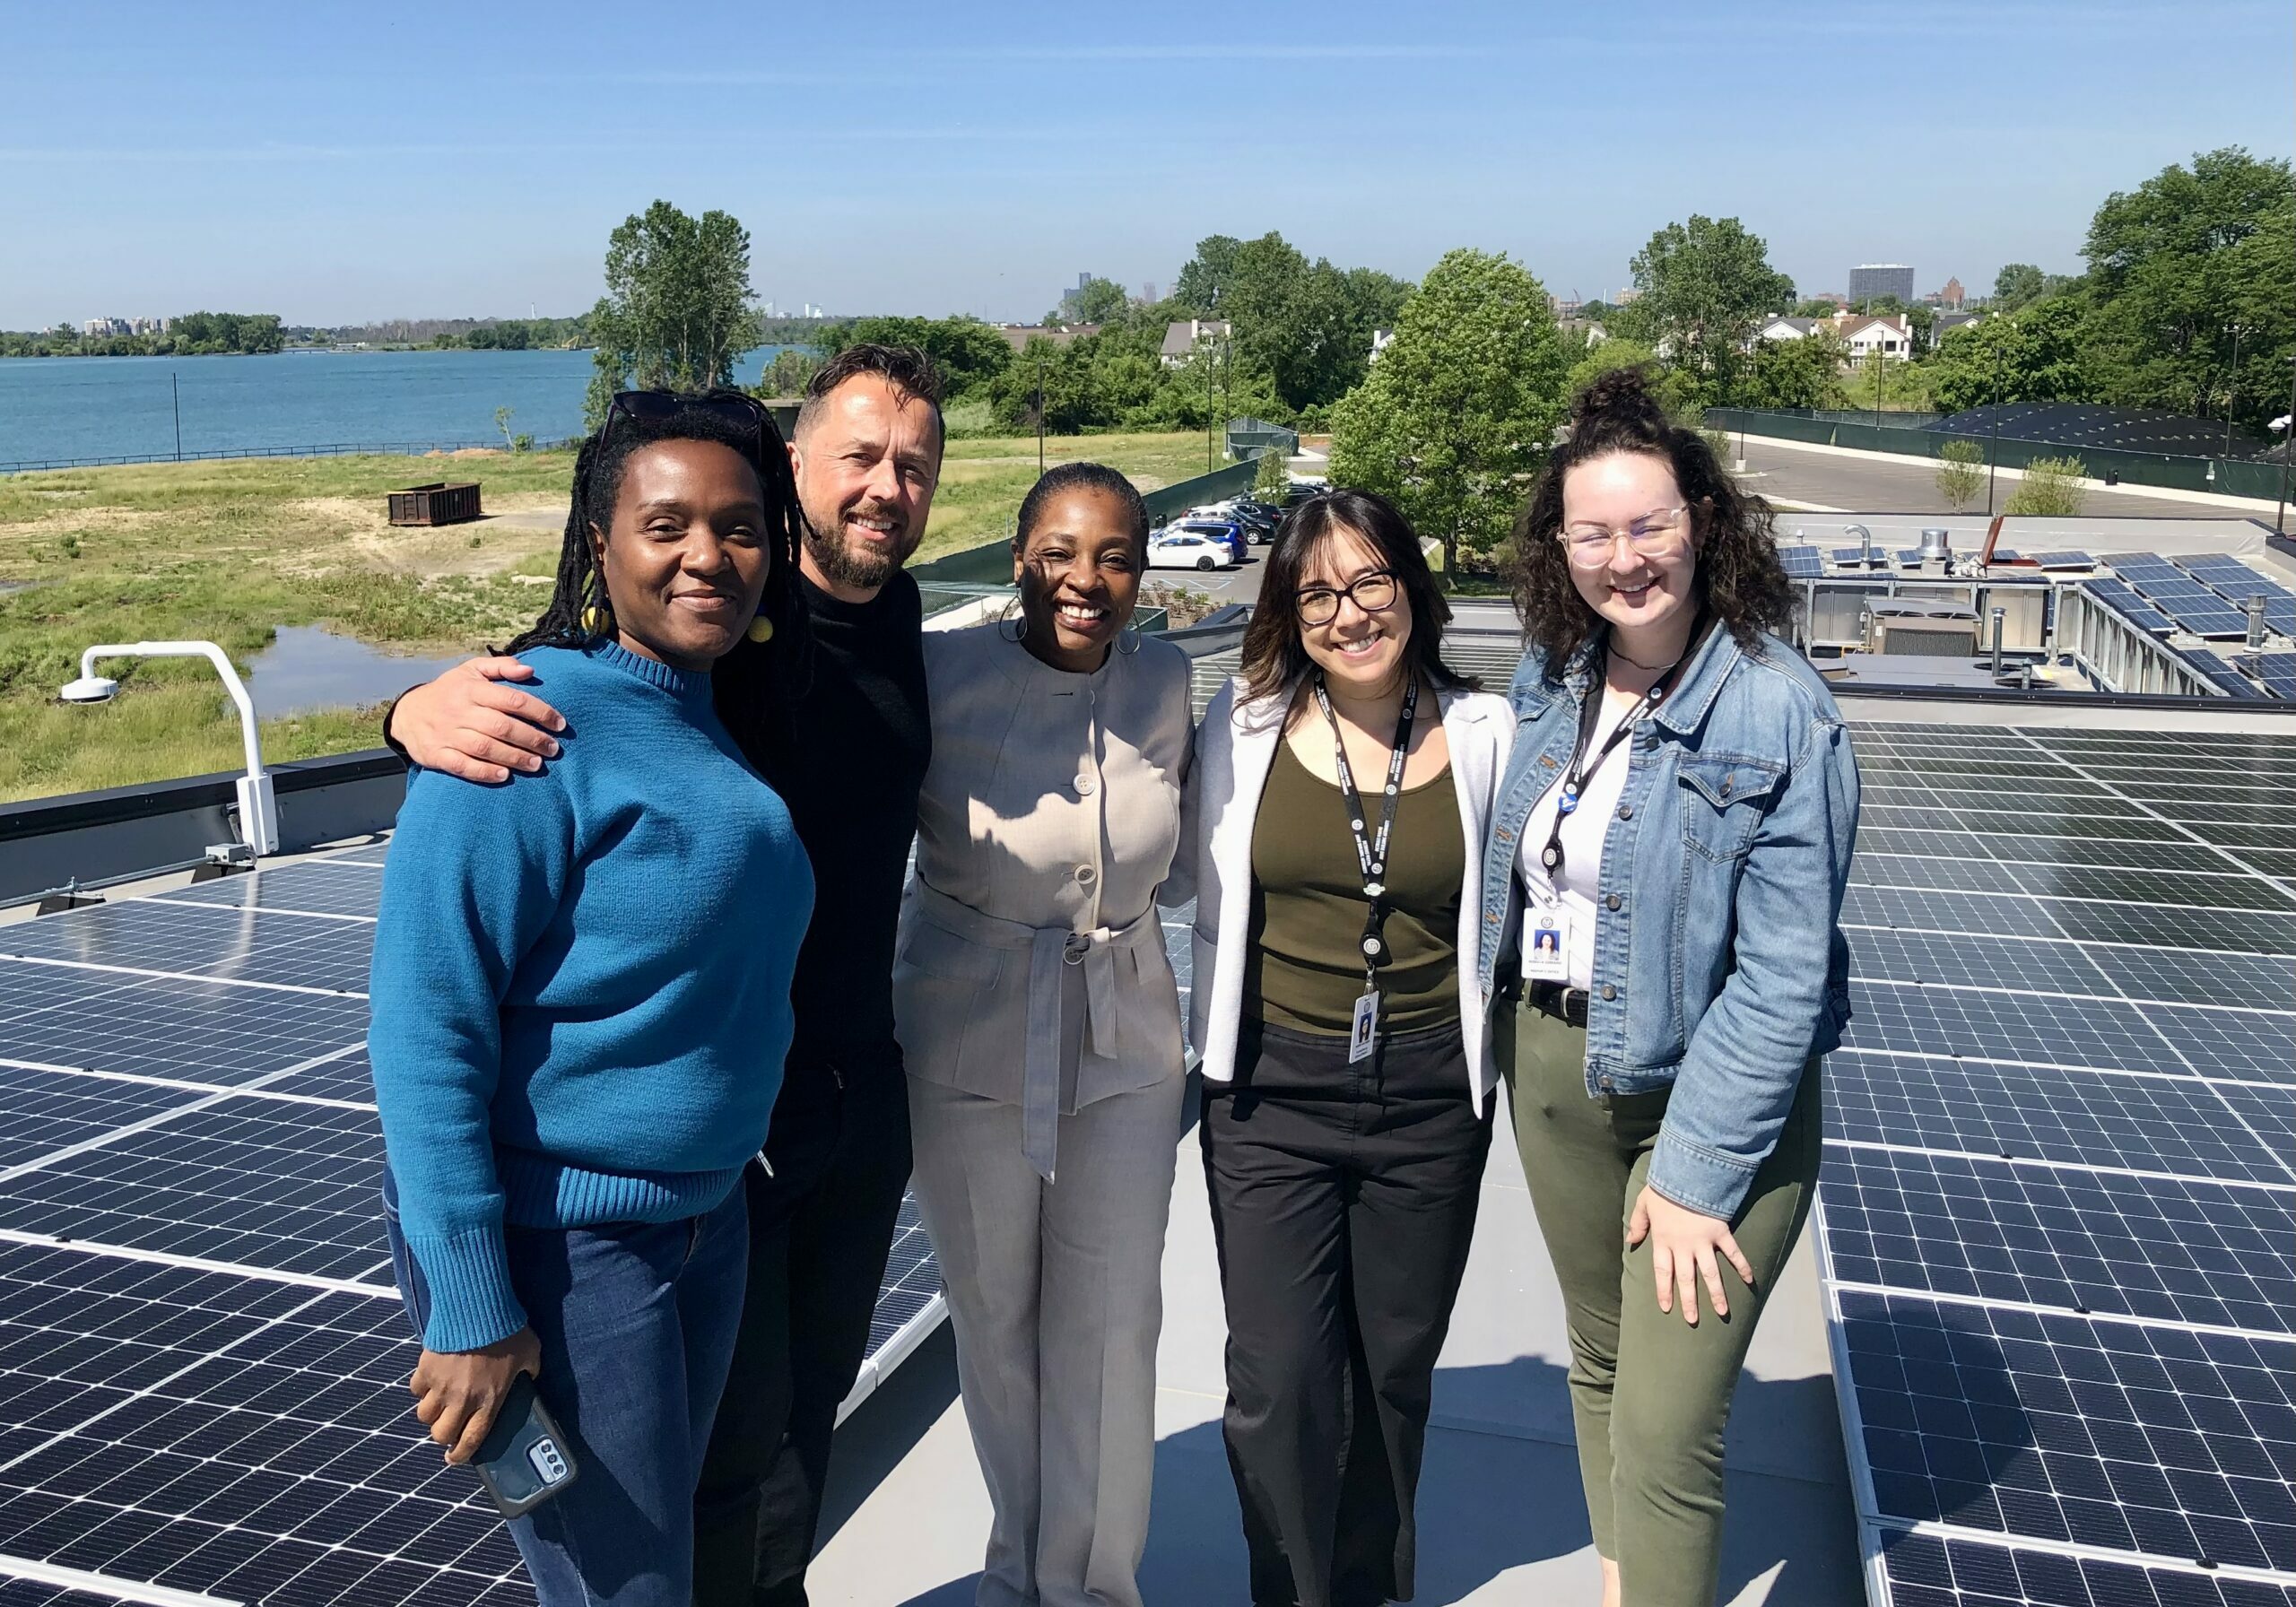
(655, 406)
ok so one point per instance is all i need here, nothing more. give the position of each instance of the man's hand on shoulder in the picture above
(469, 724)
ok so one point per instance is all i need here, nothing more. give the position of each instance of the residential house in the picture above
(1786, 329)
(1945, 322)
(1380, 339)
(1017, 335)
(1182, 336)
(1866, 336)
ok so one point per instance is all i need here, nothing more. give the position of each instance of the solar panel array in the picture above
(2116, 595)
(2193, 607)
(2057, 1212)
(2221, 674)
(1802, 563)
(2236, 583)
(203, 1361)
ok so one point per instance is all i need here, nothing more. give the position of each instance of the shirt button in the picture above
(1084, 785)
(1726, 786)
(1085, 872)
(1612, 902)
(1626, 811)
(1609, 992)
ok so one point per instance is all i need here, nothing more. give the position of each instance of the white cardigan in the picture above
(1235, 749)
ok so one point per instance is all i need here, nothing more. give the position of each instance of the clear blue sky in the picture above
(336, 164)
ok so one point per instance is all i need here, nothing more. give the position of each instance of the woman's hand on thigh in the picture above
(457, 1394)
(1687, 1247)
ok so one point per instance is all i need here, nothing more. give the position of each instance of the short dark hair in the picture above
(1275, 658)
(1081, 476)
(912, 375)
(1739, 577)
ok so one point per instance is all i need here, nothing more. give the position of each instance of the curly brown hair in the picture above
(1739, 577)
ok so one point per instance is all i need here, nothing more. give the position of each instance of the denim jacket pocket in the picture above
(1724, 796)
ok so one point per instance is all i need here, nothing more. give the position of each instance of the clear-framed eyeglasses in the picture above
(1374, 592)
(1655, 534)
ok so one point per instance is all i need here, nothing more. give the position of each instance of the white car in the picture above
(1184, 551)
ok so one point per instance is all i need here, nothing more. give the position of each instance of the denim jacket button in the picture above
(1609, 992)
(1612, 902)
(1626, 811)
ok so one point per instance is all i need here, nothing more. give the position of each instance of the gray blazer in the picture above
(1030, 967)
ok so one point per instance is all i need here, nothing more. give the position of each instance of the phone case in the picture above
(523, 1460)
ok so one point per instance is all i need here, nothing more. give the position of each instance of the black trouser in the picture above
(1343, 1202)
(820, 1224)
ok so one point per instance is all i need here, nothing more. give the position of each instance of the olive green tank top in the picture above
(1304, 966)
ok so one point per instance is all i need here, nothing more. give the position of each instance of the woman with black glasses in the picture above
(1338, 804)
(581, 1002)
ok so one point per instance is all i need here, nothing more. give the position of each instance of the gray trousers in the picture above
(1056, 1293)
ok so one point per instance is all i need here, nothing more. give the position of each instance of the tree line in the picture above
(190, 335)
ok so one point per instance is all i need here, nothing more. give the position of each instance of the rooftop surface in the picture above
(2039, 1347)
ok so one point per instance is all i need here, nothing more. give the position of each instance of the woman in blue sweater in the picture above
(581, 1003)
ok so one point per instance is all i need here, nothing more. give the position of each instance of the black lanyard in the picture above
(1371, 850)
(1583, 768)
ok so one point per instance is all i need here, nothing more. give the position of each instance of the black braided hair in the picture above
(1082, 476)
(752, 683)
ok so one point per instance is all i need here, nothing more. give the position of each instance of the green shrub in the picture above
(2051, 487)
(1961, 476)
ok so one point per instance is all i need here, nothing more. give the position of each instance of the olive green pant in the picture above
(1650, 1394)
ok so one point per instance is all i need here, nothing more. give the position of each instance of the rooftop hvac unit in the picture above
(1925, 637)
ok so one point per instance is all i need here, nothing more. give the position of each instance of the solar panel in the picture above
(2058, 1212)
(1802, 563)
(2122, 600)
(203, 1361)
(2278, 674)
(2220, 674)
(1861, 557)
(2065, 561)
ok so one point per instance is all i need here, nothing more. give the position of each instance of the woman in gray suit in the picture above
(1041, 1022)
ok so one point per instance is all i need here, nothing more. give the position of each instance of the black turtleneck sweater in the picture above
(849, 760)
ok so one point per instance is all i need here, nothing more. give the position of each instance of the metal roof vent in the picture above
(1937, 543)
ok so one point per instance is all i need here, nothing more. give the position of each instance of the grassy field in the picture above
(229, 551)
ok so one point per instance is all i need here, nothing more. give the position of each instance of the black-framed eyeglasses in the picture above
(654, 406)
(1374, 592)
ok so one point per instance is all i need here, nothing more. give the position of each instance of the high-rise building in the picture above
(1870, 279)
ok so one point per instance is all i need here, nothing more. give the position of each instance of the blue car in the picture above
(1226, 530)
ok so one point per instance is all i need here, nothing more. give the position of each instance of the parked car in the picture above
(1226, 530)
(1188, 550)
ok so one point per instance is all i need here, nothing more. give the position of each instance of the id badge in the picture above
(1365, 1035)
(1546, 948)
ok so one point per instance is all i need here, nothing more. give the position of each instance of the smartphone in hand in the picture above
(523, 1460)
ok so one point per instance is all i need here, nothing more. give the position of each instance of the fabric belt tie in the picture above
(1050, 949)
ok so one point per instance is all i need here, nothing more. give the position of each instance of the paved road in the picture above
(1868, 486)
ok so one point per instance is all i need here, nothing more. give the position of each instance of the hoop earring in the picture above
(1127, 641)
(596, 616)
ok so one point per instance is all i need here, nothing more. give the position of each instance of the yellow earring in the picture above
(760, 630)
(593, 619)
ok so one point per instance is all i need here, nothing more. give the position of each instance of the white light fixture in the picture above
(258, 805)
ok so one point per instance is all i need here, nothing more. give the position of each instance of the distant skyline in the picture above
(422, 160)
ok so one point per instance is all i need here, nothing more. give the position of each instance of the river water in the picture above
(73, 407)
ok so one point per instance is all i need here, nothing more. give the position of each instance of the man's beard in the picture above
(842, 566)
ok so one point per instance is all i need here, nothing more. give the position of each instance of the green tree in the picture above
(1961, 473)
(2034, 356)
(1096, 301)
(1795, 373)
(1274, 478)
(1459, 409)
(2018, 284)
(791, 370)
(2051, 487)
(970, 353)
(1816, 307)
(1203, 285)
(677, 309)
(1678, 389)
(2192, 265)
(1705, 285)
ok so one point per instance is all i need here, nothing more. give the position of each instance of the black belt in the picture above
(1565, 1004)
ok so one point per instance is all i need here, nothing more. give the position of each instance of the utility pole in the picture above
(2232, 387)
(2287, 456)
(175, 395)
(1040, 415)
(1210, 357)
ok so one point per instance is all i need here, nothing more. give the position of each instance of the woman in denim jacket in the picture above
(1671, 843)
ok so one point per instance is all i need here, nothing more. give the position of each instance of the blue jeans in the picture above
(637, 1323)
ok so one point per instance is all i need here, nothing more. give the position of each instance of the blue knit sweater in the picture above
(582, 982)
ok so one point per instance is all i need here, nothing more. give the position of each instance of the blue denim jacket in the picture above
(1720, 965)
